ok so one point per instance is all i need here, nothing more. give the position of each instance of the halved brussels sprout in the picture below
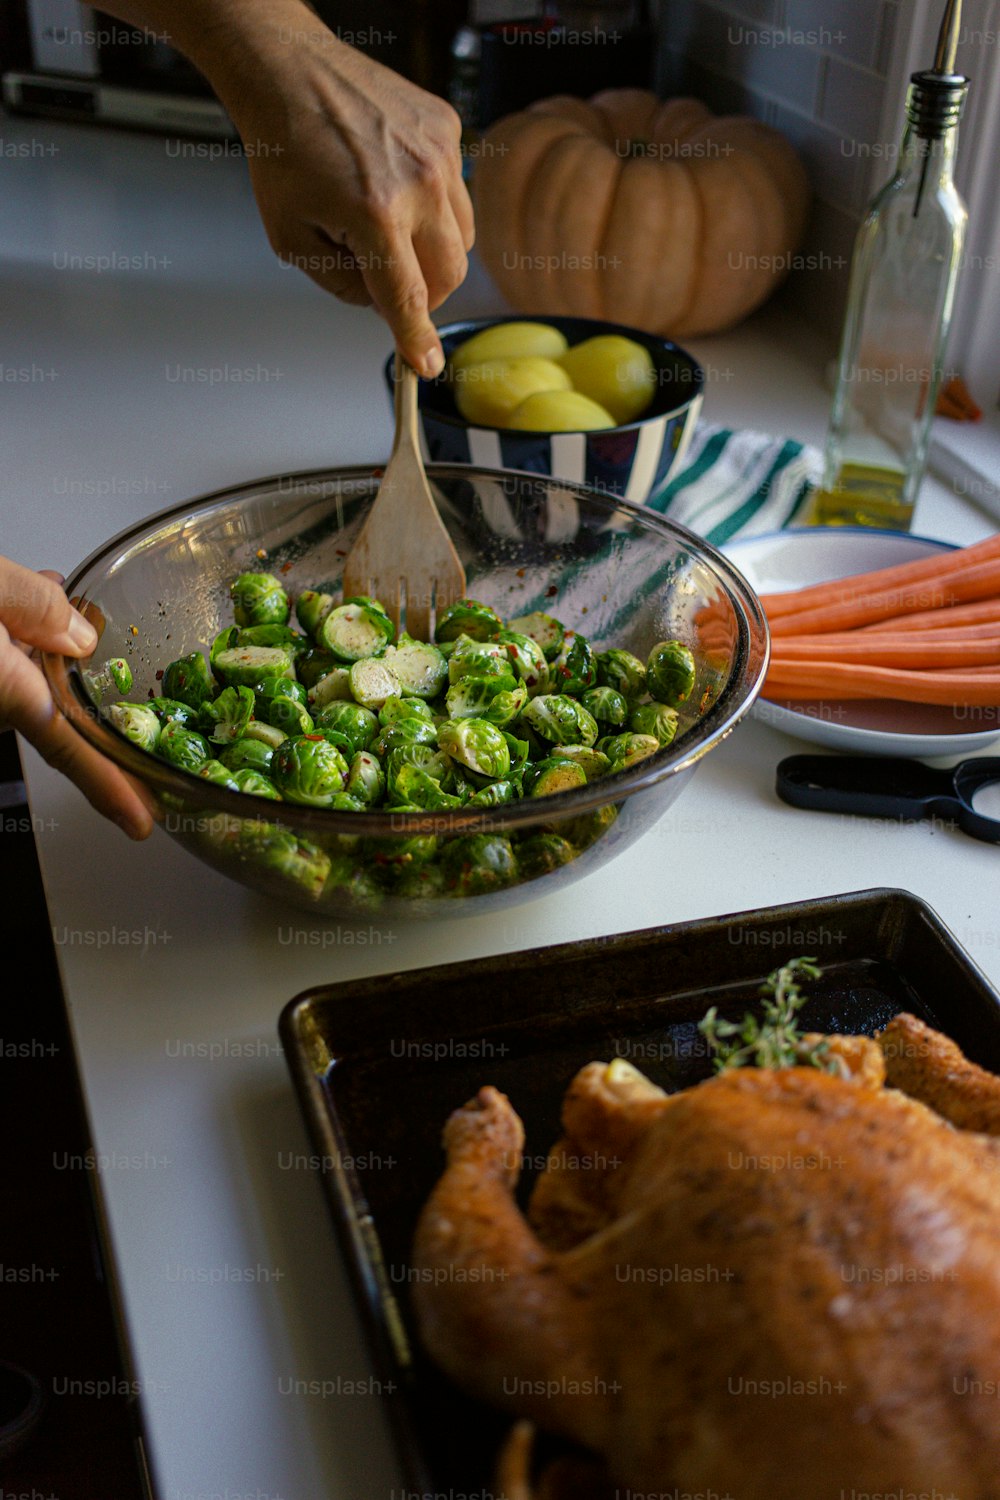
(252, 666)
(494, 795)
(259, 599)
(547, 631)
(188, 680)
(545, 778)
(366, 779)
(137, 722)
(226, 718)
(426, 882)
(670, 672)
(287, 713)
(358, 725)
(542, 853)
(278, 687)
(273, 635)
(431, 761)
(405, 732)
(280, 852)
(575, 668)
(477, 863)
(309, 771)
(527, 659)
(182, 747)
(394, 709)
(372, 683)
(312, 608)
(624, 750)
(655, 719)
(622, 671)
(606, 704)
(333, 687)
(420, 667)
(172, 708)
(592, 761)
(392, 858)
(589, 827)
(246, 754)
(355, 631)
(347, 802)
(560, 720)
(486, 698)
(255, 783)
(471, 658)
(267, 734)
(116, 674)
(415, 787)
(477, 745)
(519, 749)
(467, 617)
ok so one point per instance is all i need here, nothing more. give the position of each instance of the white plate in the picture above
(784, 560)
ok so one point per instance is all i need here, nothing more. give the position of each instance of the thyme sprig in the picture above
(775, 1041)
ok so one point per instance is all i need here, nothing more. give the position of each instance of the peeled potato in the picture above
(509, 341)
(614, 371)
(488, 392)
(560, 411)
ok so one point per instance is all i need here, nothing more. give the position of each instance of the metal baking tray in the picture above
(380, 1063)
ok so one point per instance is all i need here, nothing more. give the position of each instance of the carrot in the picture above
(944, 649)
(838, 680)
(978, 581)
(840, 590)
(955, 400)
(982, 612)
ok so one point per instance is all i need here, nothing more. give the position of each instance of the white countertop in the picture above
(174, 976)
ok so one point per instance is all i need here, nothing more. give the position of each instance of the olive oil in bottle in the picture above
(903, 277)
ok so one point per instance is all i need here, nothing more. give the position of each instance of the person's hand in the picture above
(357, 173)
(35, 613)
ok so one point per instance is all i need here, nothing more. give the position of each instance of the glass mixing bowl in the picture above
(610, 570)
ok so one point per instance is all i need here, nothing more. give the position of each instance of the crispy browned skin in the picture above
(929, 1067)
(795, 1291)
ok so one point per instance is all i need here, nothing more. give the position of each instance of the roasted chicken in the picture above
(777, 1285)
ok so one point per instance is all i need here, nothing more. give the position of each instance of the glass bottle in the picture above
(903, 277)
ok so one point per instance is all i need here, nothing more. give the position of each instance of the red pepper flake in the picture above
(313, 736)
(159, 675)
(340, 551)
(377, 473)
(551, 591)
(286, 567)
(521, 572)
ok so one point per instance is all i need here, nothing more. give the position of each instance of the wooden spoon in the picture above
(404, 556)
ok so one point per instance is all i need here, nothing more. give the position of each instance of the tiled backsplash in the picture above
(814, 69)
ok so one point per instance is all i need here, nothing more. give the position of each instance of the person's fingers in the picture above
(442, 257)
(35, 610)
(461, 207)
(25, 705)
(332, 266)
(396, 282)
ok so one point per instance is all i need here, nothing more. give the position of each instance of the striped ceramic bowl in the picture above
(634, 461)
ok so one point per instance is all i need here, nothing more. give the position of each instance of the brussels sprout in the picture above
(477, 863)
(477, 745)
(589, 827)
(333, 687)
(372, 683)
(246, 754)
(425, 882)
(188, 680)
(519, 749)
(273, 635)
(429, 760)
(394, 709)
(405, 732)
(467, 617)
(494, 795)
(392, 858)
(312, 608)
(226, 719)
(655, 719)
(182, 747)
(670, 673)
(547, 777)
(278, 851)
(593, 762)
(218, 774)
(624, 750)
(312, 664)
(560, 720)
(486, 698)
(543, 629)
(116, 674)
(346, 802)
(267, 734)
(575, 668)
(252, 666)
(279, 687)
(366, 779)
(606, 705)
(308, 770)
(527, 659)
(480, 659)
(172, 708)
(355, 631)
(137, 722)
(542, 853)
(259, 599)
(418, 788)
(622, 671)
(420, 667)
(256, 784)
(338, 740)
(288, 714)
(358, 725)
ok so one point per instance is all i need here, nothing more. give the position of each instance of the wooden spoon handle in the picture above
(407, 390)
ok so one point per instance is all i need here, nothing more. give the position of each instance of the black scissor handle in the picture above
(879, 786)
(969, 777)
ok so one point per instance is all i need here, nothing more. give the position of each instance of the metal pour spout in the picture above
(947, 47)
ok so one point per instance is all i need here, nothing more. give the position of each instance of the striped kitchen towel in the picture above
(739, 483)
